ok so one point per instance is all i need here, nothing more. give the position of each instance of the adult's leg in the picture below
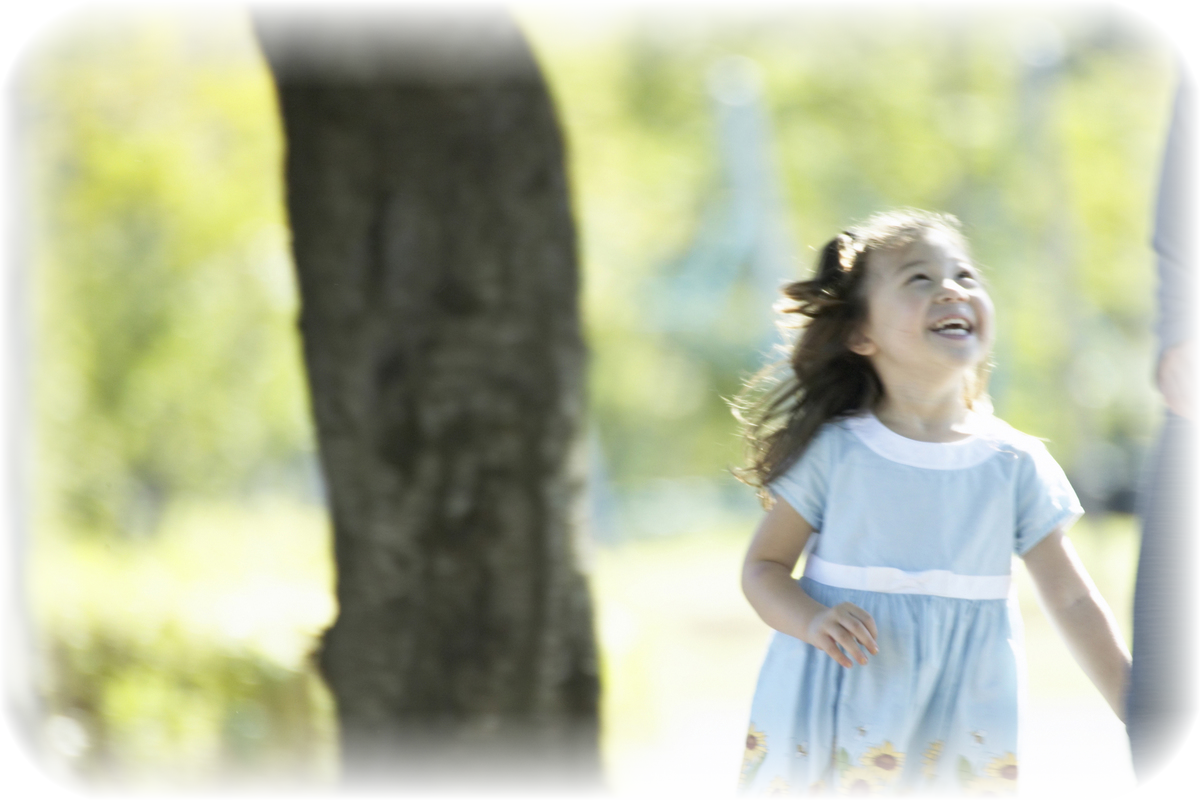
(1163, 715)
(1160, 705)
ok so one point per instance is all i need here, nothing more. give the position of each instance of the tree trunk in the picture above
(23, 774)
(435, 250)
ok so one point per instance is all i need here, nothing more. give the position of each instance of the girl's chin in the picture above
(967, 359)
(950, 355)
(939, 370)
(962, 361)
(961, 348)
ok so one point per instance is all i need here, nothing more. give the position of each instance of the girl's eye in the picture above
(920, 276)
(966, 275)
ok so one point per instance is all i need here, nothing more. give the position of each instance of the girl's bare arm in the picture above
(782, 604)
(1082, 617)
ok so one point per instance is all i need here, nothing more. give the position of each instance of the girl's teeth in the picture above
(953, 325)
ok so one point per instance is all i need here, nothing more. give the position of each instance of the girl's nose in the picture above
(950, 291)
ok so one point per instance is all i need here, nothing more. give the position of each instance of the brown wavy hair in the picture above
(782, 406)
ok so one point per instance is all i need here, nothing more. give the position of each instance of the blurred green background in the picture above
(178, 563)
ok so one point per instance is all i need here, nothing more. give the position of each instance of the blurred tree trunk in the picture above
(436, 257)
(23, 775)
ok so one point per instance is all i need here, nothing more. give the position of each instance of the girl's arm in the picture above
(782, 604)
(1082, 617)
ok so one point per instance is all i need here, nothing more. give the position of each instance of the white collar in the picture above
(975, 449)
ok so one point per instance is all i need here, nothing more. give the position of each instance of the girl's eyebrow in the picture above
(916, 263)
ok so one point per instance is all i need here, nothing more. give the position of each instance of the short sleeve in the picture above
(1045, 499)
(806, 483)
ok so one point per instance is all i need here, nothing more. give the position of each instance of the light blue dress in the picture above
(921, 535)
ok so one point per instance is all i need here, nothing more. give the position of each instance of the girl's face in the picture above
(927, 311)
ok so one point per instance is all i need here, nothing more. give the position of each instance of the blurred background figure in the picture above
(178, 571)
(1161, 702)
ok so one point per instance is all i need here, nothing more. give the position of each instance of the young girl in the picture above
(896, 666)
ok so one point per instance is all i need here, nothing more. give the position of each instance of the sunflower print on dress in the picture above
(859, 783)
(778, 789)
(756, 751)
(1005, 770)
(929, 762)
(985, 788)
(756, 746)
(885, 761)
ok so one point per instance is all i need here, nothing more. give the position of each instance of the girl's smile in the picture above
(955, 326)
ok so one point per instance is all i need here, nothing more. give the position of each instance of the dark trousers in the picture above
(1160, 707)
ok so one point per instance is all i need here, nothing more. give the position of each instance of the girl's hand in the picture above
(847, 625)
(781, 603)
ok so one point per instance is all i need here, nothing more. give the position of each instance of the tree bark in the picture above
(435, 250)
(23, 773)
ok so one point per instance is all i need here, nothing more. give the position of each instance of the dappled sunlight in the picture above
(230, 577)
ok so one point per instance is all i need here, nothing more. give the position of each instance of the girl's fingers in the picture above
(864, 627)
(870, 623)
(858, 630)
(846, 639)
(861, 615)
(849, 635)
(857, 621)
(864, 636)
(831, 648)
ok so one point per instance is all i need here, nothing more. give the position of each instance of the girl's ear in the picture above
(860, 343)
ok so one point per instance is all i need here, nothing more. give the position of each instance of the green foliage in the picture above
(199, 715)
(187, 658)
(1041, 129)
(165, 360)
(173, 620)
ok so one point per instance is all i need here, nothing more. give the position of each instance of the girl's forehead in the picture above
(929, 243)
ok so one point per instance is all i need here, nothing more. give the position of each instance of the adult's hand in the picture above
(1176, 378)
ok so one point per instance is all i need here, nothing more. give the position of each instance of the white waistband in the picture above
(938, 582)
